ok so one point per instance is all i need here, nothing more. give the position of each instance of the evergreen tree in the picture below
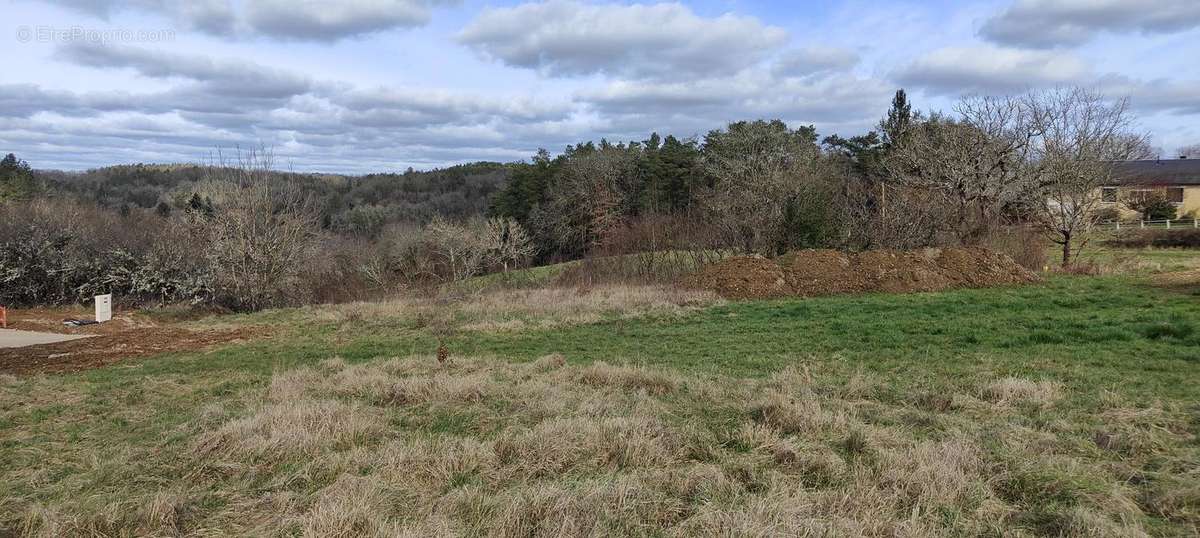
(527, 186)
(898, 120)
(16, 179)
(200, 206)
(680, 173)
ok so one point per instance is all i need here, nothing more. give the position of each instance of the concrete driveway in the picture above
(15, 338)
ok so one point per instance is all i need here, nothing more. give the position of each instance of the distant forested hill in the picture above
(358, 205)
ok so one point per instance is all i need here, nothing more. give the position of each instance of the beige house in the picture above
(1177, 179)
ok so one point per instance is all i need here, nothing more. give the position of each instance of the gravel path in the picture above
(15, 338)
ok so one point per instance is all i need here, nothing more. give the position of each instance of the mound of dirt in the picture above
(747, 278)
(808, 273)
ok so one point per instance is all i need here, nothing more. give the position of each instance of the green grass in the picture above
(1093, 331)
(1132, 260)
(104, 433)
(531, 277)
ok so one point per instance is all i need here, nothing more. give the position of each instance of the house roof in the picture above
(1158, 172)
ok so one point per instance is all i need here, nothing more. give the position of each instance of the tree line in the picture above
(246, 236)
(359, 206)
(918, 179)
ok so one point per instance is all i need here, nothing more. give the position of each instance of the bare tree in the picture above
(458, 249)
(971, 164)
(1078, 135)
(898, 216)
(259, 234)
(760, 171)
(585, 206)
(407, 254)
(507, 242)
(1189, 152)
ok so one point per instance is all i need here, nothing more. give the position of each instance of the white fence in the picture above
(1177, 224)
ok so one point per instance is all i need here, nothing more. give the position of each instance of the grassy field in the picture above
(1066, 408)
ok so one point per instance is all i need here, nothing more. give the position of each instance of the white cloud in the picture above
(222, 102)
(226, 77)
(815, 59)
(300, 20)
(691, 107)
(1047, 23)
(569, 38)
(983, 69)
(1162, 95)
(626, 68)
(326, 20)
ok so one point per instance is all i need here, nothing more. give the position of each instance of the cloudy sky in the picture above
(375, 85)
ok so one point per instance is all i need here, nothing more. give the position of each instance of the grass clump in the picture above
(1014, 391)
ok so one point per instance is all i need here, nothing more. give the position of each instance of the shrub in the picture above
(259, 238)
(1025, 246)
(1108, 214)
(649, 249)
(1185, 238)
(58, 252)
(1153, 206)
(248, 253)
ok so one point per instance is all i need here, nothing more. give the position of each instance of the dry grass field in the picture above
(1063, 408)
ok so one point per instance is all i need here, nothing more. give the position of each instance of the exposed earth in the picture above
(98, 345)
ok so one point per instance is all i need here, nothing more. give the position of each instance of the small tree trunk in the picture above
(1066, 249)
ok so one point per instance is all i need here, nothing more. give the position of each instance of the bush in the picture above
(1153, 206)
(1108, 214)
(1185, 238)
(56, 252)
(649, 249)
(1025, 246)
(260, 238)
(249, 253)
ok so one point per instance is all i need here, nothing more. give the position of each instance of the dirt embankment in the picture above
(122, 338)
(808, 273)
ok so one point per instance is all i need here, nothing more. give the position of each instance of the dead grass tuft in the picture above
(442, 388)
(1082, 522)
(518, 309)
(930, 476)
(353, 506)
(1138, 432)
(554, 447)
(1176, 500)
(1017, 391)
(282, 430)
(798, 414)
(628, 377)
(548, 362)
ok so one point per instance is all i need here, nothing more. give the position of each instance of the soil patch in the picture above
(125, 337)
(745, 278)
(809, 273)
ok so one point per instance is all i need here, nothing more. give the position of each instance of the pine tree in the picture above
(899, 119)
(16, 178)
